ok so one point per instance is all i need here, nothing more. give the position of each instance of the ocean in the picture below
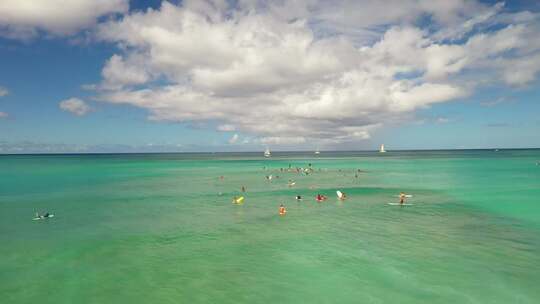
(161, 228)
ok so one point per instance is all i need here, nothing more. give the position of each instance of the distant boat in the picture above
(267, 153)
(382, 150)
(317, 151)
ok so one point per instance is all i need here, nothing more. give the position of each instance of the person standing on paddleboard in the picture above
(401, 198)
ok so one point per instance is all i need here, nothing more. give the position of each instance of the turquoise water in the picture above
(154, 229)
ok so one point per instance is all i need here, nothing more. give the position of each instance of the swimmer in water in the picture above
(298, 197)
(243, 189)
(282, 210)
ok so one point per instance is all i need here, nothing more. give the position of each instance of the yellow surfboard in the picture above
(238, 200)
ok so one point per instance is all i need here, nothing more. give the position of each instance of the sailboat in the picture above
(382, 150)
(267, 153)
(317, 151)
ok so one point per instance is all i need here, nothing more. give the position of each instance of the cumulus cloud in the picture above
(75, 105)
(119, 72)
(291, 72)
(3, 91)
(24, 19)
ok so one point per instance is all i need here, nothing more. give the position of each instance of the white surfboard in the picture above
(340, 194)
(42, 218)
(398, 204)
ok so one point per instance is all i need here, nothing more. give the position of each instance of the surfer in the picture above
(298, 197)
(343, 196)
(401, 198)
(320, 197)
(46, 215)
(243, 189)
(282, 210)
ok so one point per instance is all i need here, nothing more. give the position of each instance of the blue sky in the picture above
(336, 81)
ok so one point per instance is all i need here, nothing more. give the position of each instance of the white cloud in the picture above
(234, 139)
(119, 72)
(75, 105)
(284, 140)
(3, 115)
(23, 19)
(291, 72)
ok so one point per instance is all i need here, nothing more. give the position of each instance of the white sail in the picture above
(267, 153)
(382, 150)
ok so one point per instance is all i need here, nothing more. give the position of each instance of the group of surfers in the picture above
(319, 198)
(282, 210)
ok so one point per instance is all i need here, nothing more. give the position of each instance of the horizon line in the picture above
(259, 152)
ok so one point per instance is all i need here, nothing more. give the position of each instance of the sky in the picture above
(242, 75)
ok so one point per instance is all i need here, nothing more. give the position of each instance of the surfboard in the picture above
(239, 200)
(340, 194)
(42, 218)
(398, 204)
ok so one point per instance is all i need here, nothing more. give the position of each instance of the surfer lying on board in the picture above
(46, 215)
(320, 197)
